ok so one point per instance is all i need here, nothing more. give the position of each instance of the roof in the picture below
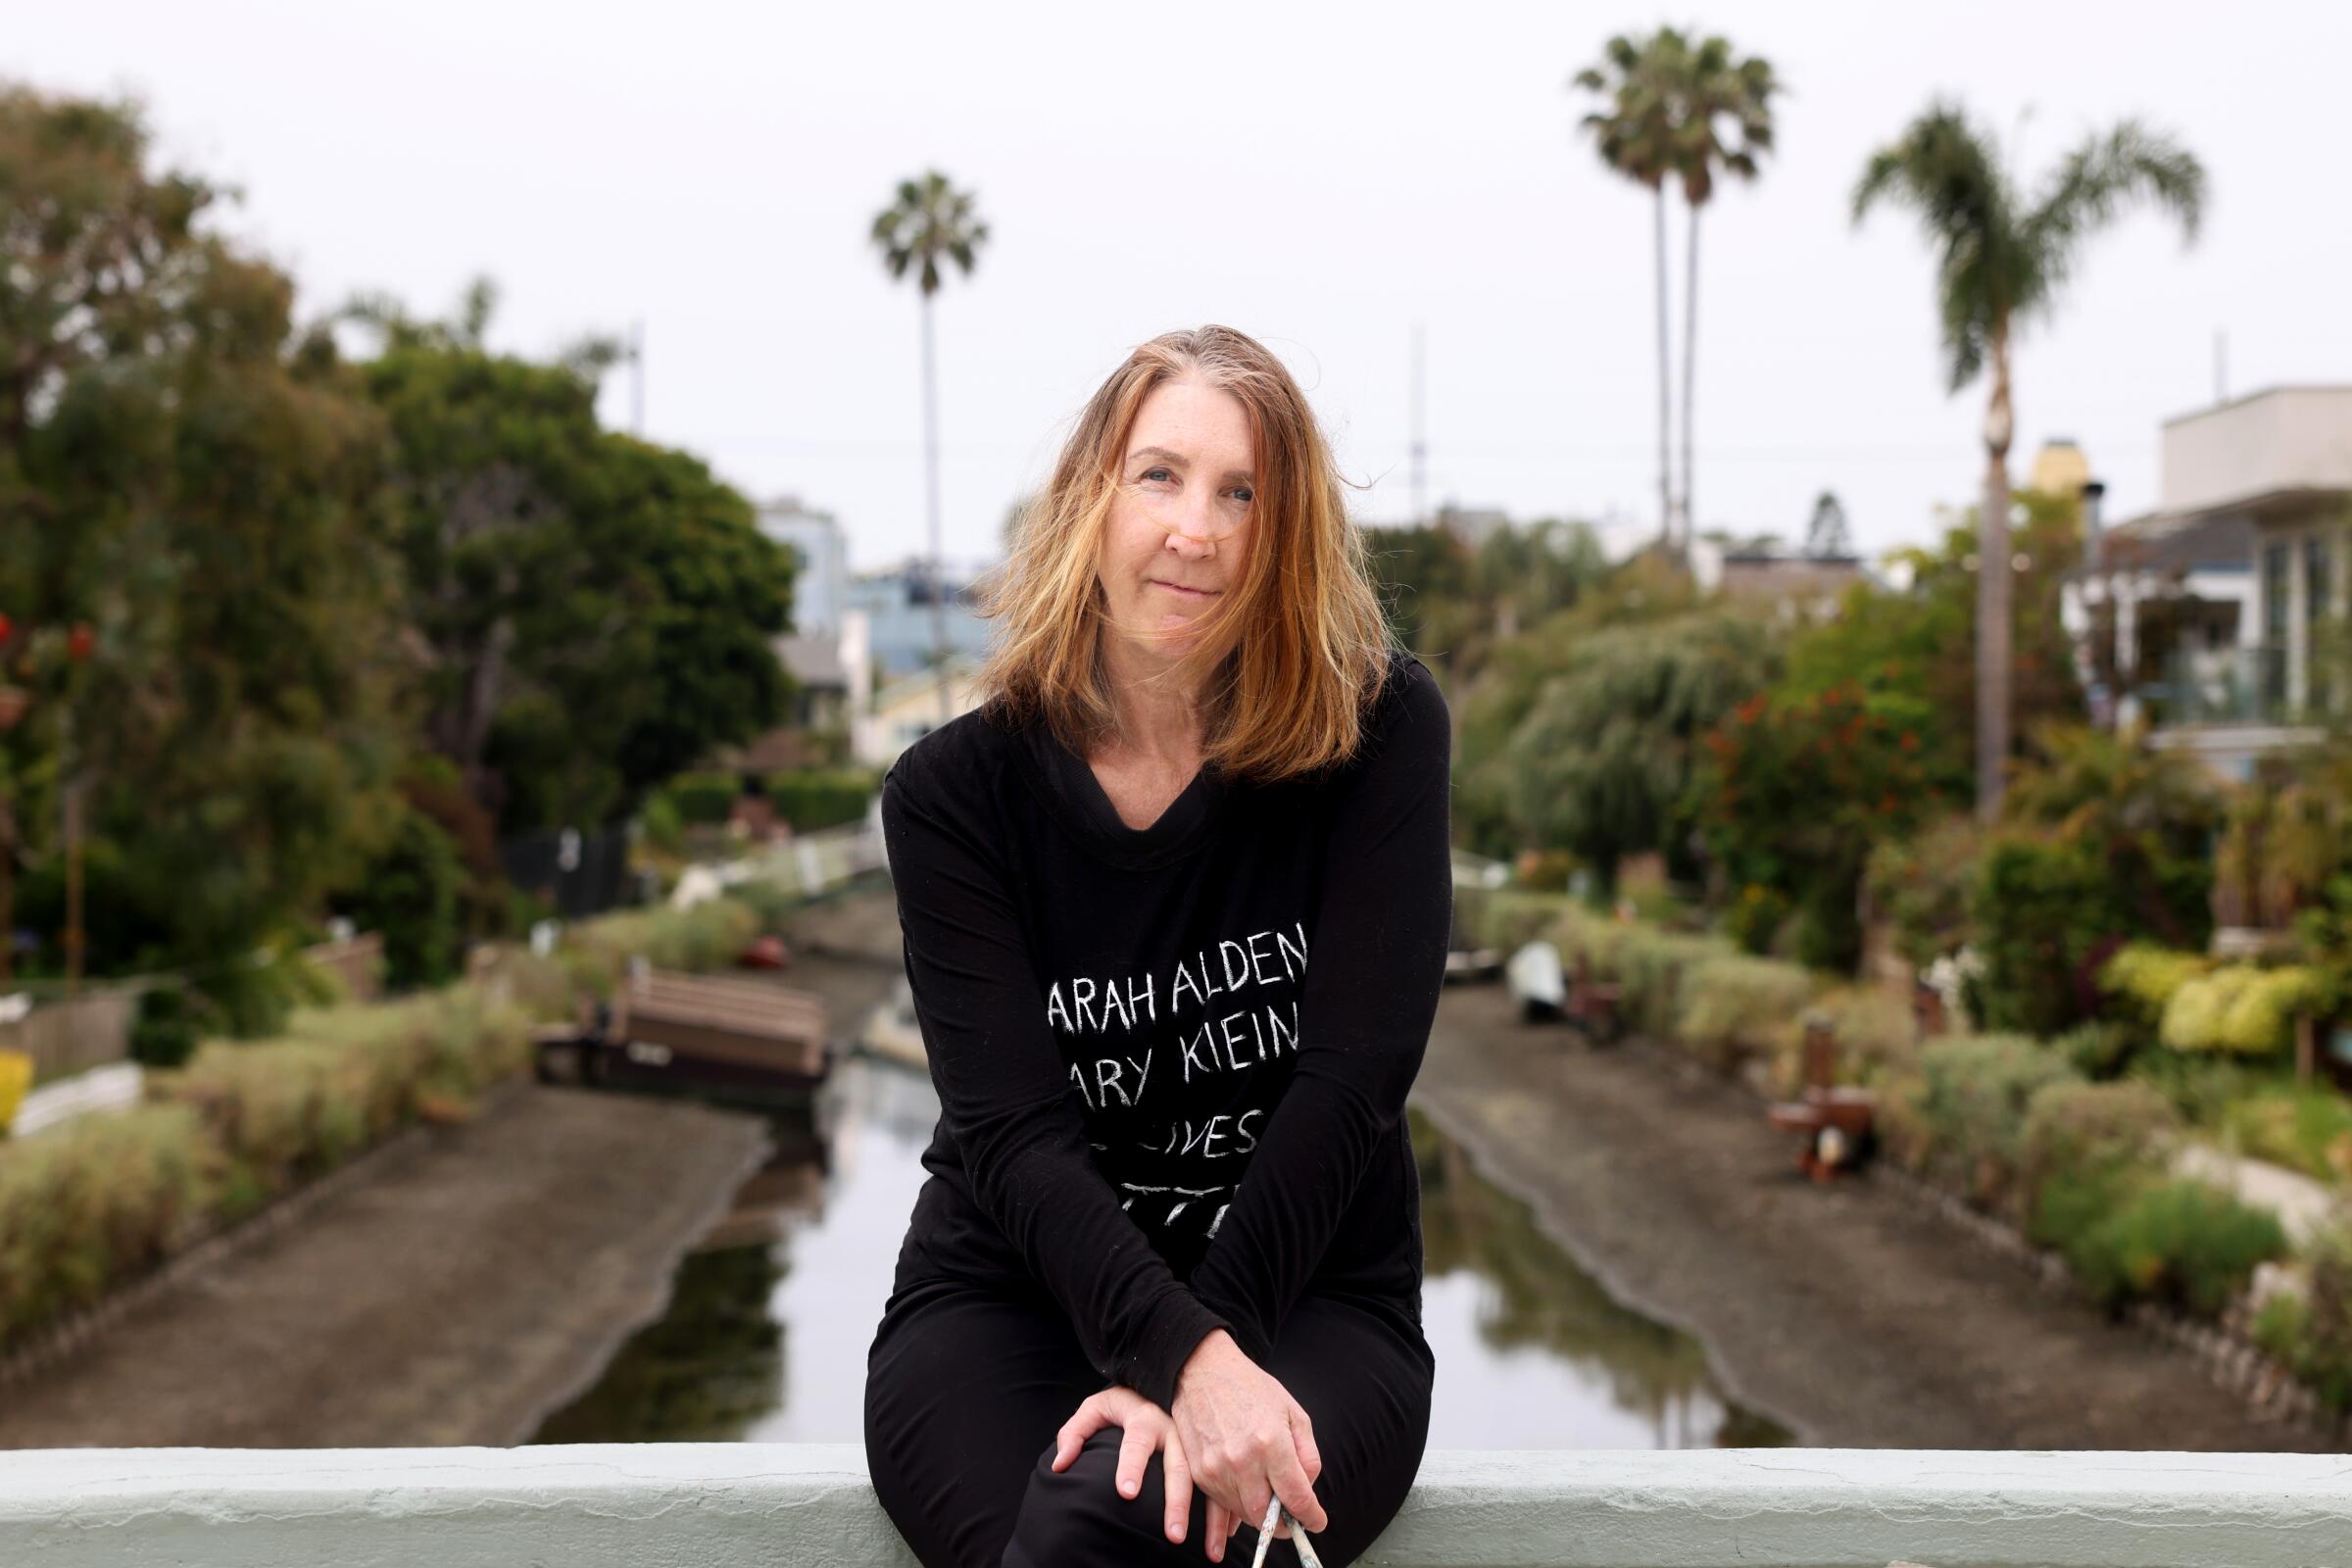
(2209, 541)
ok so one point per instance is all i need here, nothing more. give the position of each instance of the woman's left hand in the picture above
(1145, 1428)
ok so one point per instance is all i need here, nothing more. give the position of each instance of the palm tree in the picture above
(1636, 137)
(2001, 264)
(1719, 92)
(931, 220)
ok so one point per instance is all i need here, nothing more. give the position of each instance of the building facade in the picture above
(2240, 569)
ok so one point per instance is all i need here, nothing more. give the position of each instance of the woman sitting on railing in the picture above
(1175, 901)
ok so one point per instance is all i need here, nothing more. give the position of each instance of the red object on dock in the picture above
(765, 952)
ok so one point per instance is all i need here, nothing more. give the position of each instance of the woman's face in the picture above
(1179, 522)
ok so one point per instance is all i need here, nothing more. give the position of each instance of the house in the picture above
(898, 604)
(907, 708)
(1796, 586)
(2205, 611)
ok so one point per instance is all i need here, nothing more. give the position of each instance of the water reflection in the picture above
(766, 1333)
(1532, 1352)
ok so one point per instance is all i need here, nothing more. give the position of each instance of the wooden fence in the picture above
(65, 1037)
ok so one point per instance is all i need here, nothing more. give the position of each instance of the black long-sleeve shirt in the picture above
(1172, 1062)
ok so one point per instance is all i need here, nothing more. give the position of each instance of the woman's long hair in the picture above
(1287, 661)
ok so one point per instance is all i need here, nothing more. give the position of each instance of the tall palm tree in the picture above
(931, 220)
(2000, 264)
(1635, 134)
(1721, 95)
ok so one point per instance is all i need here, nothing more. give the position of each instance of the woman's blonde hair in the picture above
(1289, 660)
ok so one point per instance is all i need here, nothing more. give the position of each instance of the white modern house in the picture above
(907, 708)
(2201, 616)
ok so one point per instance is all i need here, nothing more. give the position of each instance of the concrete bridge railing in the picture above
(753, 1505)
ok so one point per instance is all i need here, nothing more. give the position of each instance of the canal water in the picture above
(770, 1314)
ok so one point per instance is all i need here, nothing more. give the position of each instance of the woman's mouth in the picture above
(1183, 592)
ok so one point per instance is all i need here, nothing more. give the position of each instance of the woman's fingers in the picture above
(1292, 1486)
(1218, 1531)
(1302, 1437)
(1088, 1419)
(1176, 1483)
(1135, 1451)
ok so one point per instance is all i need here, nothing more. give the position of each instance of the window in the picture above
(2319, 640)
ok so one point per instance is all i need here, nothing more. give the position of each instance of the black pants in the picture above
(966, 1385)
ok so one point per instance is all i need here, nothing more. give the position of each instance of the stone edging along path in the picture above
(53, 1342)
(2224, 1351)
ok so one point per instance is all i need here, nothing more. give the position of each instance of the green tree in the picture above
(594, 612)
(1723, 125)
(192, 476)
(1635, 134)
(1604, 759)
(930, 222)
(2003, 258)
(1825, 532)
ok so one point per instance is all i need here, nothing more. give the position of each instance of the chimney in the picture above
(2094, 491)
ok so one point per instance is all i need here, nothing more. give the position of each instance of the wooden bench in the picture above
(737, 1037)
(1593, 1005)
(1838, 1122)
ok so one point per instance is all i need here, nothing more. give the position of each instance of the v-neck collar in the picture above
(1079, 801)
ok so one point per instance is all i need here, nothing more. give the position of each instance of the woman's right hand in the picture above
(1247, 1439)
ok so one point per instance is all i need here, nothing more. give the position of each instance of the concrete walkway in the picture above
(2301, 1203)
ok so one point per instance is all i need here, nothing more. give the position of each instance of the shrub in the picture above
(170, 1022)
(1650, 965)
(706, 936)
(2081, 1146)
(1756, 916)
(2146, 977)
(1970, 1107)
(703, 798)
(85, 1204)
(812, 799)
(1732, 1007)
(1922, 883)
(2179, 1242)
(1515, 916)
(2309, 1130)
(2101, 1049)
(410, 894)
(2243, 1010)
(2040, 909)
(2310, 1332)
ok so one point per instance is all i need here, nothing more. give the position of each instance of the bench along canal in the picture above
(770, 1314)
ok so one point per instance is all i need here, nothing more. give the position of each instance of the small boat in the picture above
(731, 1038)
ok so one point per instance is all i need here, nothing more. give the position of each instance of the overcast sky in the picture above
(1320, 177)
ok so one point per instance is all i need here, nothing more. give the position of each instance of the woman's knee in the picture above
(1076, 1516)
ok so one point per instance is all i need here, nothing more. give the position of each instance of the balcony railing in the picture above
(2220, 686)
(737, 1505)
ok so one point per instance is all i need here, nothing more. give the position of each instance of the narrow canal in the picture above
(770, 1314)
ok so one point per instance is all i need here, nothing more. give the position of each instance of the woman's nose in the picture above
(1203, 522)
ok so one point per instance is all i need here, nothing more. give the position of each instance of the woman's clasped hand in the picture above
(1233, 1432)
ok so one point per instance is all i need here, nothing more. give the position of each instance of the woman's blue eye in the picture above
(1149, 473)
(1247, 494)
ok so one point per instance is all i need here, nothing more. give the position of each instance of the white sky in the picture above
(1320, 177)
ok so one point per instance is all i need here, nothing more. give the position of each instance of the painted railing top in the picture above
(734, 1505)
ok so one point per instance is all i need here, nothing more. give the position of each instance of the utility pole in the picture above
(939, 575)
(637, 377)
(1420, 426)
